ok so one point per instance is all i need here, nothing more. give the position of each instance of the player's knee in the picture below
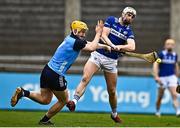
(85, 78)
(174, 97)
(112, 92)
(160, 96)
(46, 101)
(63, 101)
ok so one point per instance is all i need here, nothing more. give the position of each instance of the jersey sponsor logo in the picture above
(118, 34)
(167, 61)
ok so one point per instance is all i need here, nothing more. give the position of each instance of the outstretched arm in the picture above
(155, 72)
(93, 45)
(177, 69)
(105, 38)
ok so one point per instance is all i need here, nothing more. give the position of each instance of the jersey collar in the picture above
(74, 36)
(165, 52)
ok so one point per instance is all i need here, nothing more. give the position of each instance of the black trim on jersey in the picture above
(79, 43)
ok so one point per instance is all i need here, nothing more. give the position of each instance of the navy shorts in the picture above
(52, 80)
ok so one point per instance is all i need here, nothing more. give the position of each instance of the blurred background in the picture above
(30, 32)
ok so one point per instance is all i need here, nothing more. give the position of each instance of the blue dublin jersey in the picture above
(66, 54)
(167, 66)
(118, 35)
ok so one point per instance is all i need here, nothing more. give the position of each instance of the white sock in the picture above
(76, 98)
(158, 113)
(178, 112)
(114, 114)
(75, 101)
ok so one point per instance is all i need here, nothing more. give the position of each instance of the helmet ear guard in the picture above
(75, 31)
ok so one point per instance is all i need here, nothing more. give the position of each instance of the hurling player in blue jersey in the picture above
(166, 75)
(52, 79)
(118, 34)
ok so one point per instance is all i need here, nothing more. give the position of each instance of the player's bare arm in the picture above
(177, 69)
(89, 47)
(105, 38)
(155, 72)
(108, 48)
(130, 46)
(93, 45)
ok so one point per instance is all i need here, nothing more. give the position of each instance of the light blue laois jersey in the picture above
(118, 35)
(66, 54)
(169, 59)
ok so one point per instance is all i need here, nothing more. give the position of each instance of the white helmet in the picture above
(130, 10)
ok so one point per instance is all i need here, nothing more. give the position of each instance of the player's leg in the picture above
(158, 101)
(110, 73)
(62, 97)
(89, 69)
(45, 94)
(173, 80)
(111, 80)
(42, 97)
(59, 89)
(55, 109)
(175, 99)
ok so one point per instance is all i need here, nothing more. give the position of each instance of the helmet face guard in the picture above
(78, 26)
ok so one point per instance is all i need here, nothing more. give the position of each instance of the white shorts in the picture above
(169, 81)
(103, 62)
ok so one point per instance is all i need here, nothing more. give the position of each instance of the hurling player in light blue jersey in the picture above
(166, 75)
(52, 79)
(118, 34)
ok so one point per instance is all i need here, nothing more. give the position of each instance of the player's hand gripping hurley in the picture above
(149, 57)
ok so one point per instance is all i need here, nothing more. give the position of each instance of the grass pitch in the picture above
(68, 119)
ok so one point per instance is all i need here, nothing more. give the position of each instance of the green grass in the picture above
(68, 119)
